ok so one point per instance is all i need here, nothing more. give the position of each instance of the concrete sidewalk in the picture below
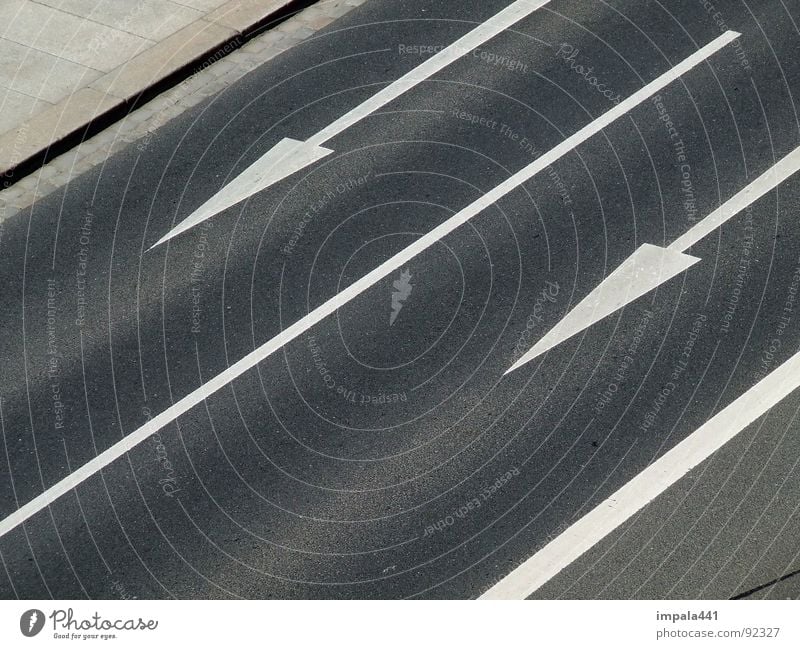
(66, 63)
(139, 127)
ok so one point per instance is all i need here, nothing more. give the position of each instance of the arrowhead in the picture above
(280, 161)
(647, 268)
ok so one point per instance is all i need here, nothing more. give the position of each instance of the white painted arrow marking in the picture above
(649, 484)
(281, 161)
(332, 305)
(647, 268)
(289, 156)
(615, 292)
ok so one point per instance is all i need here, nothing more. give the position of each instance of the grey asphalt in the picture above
(342, 466)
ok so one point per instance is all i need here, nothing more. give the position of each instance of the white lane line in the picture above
(498, 23)
(352, 291)
(631, 280)
(289, 155)
(765, 183)
(649, 484)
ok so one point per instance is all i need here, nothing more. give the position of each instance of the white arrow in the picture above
(650, 266)
(645, 269)
(289, 156)
(354, 290)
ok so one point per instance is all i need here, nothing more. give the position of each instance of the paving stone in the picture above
(137, 129)
(39, 74)
(163, 59)
(191, 100)
(212, 88)
(67, 161)
(222, 67)
(18, 107)
(15, 204)
(301, 32)
(97, 157)
(47, 172)
(151, 19)
(51, 125)
(69, 37)
(202, 5)
(337, 11)
(253, 47)
(241, 14)
(271, 52)
(318, 22)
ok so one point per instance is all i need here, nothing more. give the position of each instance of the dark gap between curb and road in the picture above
(101, 122)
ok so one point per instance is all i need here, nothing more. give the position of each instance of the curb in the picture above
(86, 112)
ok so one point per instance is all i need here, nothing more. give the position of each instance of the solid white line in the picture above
(361, 285)
(649, 484)
(766, 182)
(482, 33)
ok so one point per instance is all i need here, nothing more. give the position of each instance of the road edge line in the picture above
(639, 492)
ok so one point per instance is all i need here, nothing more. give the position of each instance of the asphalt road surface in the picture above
(383, 452)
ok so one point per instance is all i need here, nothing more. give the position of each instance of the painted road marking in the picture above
(650, 483)
(289, 156)
(373, 277)
(765, 183)
(648, 267)
(612, 294)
